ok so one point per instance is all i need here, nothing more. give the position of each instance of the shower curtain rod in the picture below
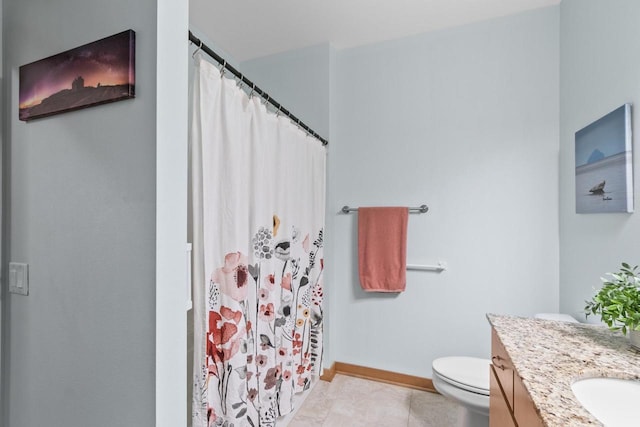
(226, 67)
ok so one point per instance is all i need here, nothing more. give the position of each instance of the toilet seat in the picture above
(467, 373)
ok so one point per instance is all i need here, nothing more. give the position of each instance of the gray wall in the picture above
(297, 78)
(80, 187)
(466, 121)
(599, 72)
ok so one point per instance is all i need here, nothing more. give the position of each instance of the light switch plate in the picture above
(19, 278)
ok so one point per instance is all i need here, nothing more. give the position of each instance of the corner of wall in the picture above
(598, 73)
(171, 213)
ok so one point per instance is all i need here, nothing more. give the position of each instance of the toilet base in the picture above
(468, 418)
(478, 416)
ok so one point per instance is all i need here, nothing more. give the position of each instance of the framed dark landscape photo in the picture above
(96, 73)
(604, 164)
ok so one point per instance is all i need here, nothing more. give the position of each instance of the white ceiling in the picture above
(248, 29)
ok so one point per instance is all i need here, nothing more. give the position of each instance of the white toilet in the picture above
(466, 381)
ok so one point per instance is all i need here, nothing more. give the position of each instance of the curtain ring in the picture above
(278, 112)
(266, 101)
(224, 65)
(193, 55)
(253, 88)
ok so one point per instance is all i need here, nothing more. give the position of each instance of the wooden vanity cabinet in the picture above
(500, 415)
(509, 402)
(501, 363)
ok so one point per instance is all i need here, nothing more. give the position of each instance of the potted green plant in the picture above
(618, 302)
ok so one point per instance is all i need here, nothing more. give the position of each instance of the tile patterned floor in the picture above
(354, 402)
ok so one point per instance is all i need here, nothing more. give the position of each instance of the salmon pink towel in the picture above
(382, 248)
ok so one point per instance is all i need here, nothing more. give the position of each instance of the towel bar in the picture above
(441, 266)
(420, 209)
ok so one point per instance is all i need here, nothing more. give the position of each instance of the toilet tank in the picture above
(556, 316)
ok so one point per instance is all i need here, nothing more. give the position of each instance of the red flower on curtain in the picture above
(224, 336)
(297, 343)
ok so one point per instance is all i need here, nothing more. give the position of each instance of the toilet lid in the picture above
(468, 373)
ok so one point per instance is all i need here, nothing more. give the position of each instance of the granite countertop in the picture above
(550, 355)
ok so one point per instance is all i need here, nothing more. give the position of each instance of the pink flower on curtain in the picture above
(286, 281)
(270, 282)
(305, 244)
(267, 312)
(227, 313)
(261, 360)
(211, 415)
(272, 376)
(234, 276)
(263, 293)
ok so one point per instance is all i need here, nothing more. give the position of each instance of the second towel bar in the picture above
(441, 266)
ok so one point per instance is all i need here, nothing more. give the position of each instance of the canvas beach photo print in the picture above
(604, 164)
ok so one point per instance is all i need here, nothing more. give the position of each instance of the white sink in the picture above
(612, 401)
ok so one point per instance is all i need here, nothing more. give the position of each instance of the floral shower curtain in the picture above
(258, 197)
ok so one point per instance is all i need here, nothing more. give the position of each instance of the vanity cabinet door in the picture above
(524, 408)
(499, 413)
(509, 402)
(501, 362)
